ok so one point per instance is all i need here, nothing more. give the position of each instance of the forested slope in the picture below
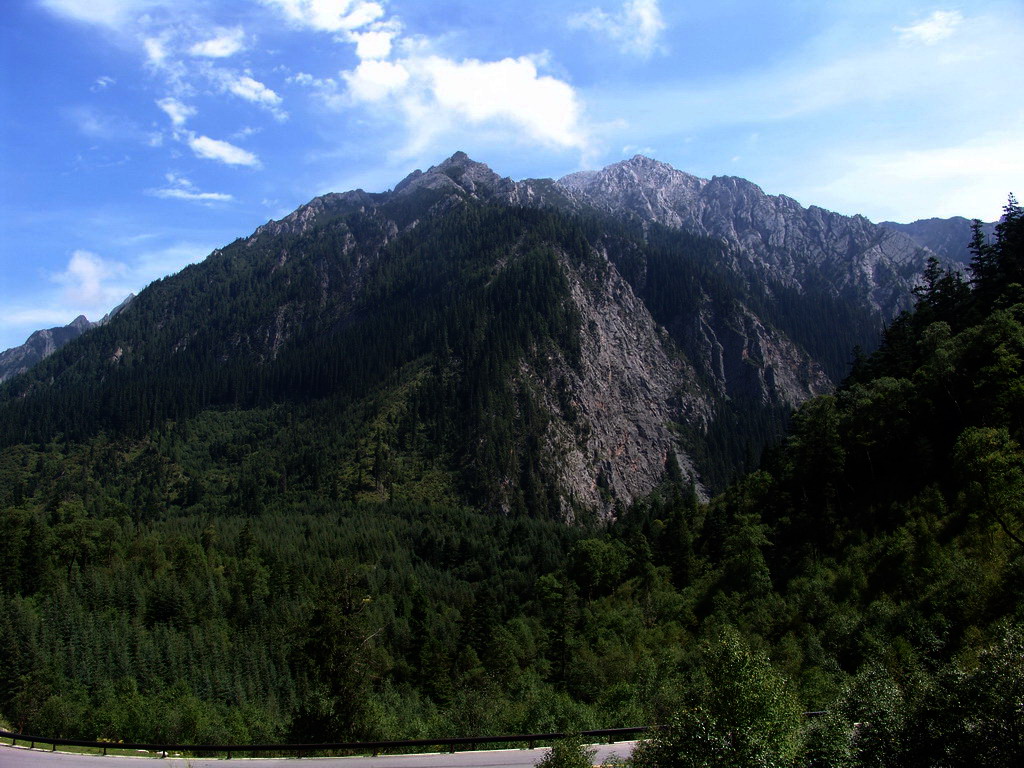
(870, 568)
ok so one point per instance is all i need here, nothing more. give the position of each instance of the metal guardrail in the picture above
(362, 747)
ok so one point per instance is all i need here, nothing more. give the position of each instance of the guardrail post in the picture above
(53, 747)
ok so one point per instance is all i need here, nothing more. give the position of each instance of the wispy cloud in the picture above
(824, 79)
(177, 111)
(227, 43)
(202, 146)
(221, 151)
(252, 90)
(936, 28)
(156, 50)
(108, 13)
(636, 27)
(102, 83)
(91, 285)
(98, 124)
(87, 279)
(180, 188)
(329, 15)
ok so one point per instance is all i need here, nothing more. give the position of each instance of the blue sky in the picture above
(139, 135)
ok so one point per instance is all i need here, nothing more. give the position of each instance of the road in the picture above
(17, 757)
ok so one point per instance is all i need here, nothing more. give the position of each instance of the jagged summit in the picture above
(40, 345)
(458, 173)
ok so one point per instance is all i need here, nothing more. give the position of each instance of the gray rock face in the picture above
(946, 237)
(616, 409)
(40, 345)
(773, 235)
(747, 360)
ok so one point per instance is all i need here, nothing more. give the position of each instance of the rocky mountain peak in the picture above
(648, 188)
(459, 173)
(303, 218)
(40, 345)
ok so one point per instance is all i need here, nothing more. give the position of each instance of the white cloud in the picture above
(375, 44)
(376, 80)
(436, 93)
(330, 15)
(156, 50)
(222, 151)
(934, 29)
(108, 13)
(177, 111)
(180, 188)
(252, 90)
(185, 194)
(228, 42)
(102, 83)
(86, 280)
(248, 88)
(636, 28)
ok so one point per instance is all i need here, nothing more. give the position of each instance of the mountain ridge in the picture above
(566, 345)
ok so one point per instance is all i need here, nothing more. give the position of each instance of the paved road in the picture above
(17, 757)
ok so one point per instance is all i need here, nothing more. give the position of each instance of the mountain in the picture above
(39, 345)
(553, 347)
(42, 344)
(948, 238)
(315, 489)
(772, 238)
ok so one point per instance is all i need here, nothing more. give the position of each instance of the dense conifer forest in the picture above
(201, 561)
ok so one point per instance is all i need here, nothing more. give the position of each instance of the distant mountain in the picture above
(42, 344)
(534, 346)
(39, 345)
(946, 237)
(772, 238)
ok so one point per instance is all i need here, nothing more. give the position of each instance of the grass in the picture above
(111, 750)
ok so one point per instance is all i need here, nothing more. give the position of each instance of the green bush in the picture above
(568, 753)
(740, 714)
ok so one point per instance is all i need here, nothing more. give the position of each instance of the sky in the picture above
(136, 136)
